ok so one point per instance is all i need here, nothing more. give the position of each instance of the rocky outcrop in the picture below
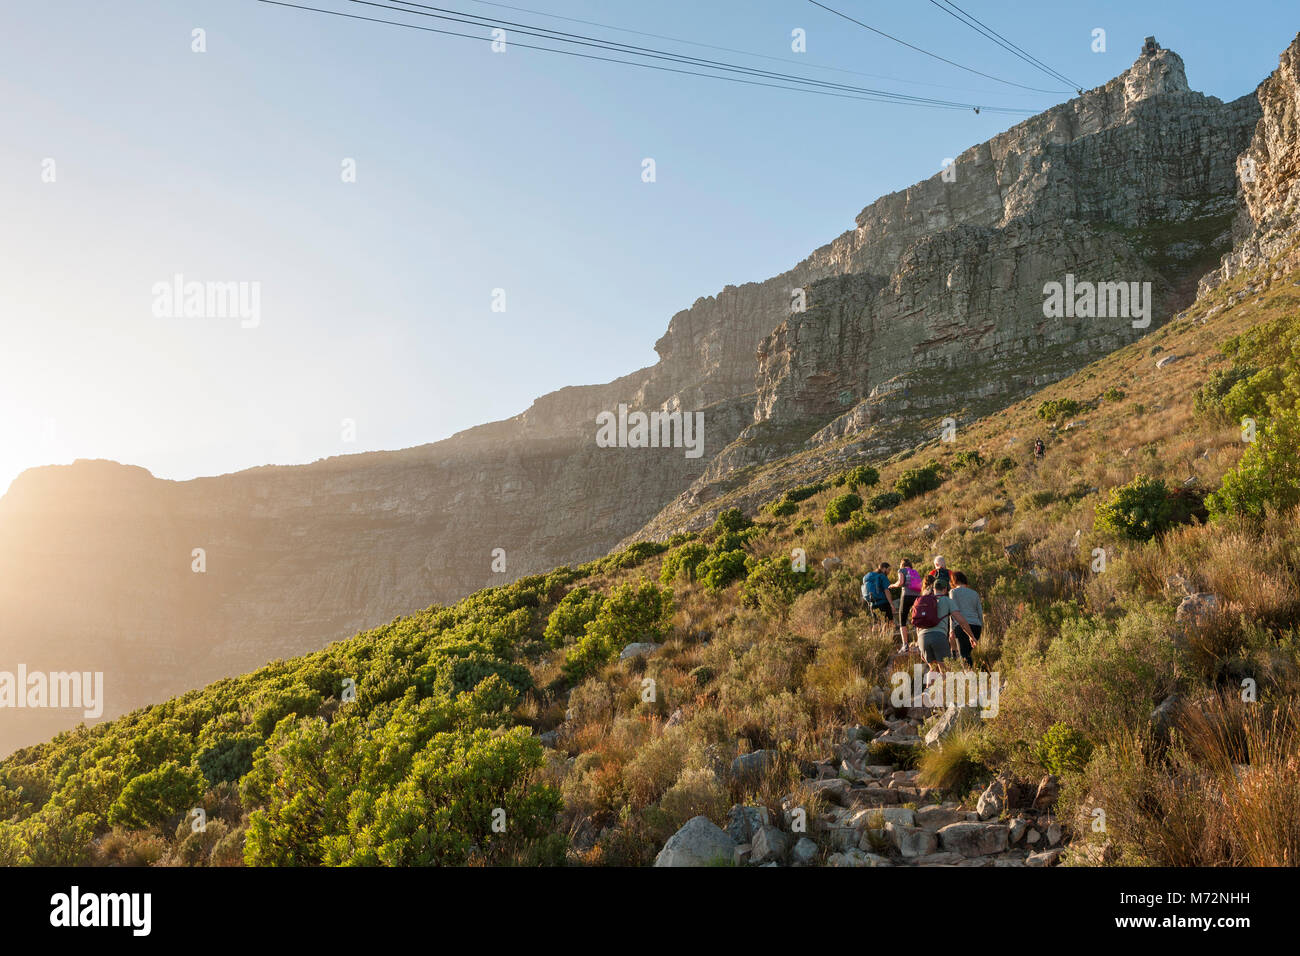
(935, 306)
(1269, 174)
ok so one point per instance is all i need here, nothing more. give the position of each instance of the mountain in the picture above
(705, 700)
(938, 291)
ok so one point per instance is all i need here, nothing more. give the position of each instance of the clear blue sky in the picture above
(475, 171)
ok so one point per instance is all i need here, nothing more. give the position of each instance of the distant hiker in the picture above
(940, 575)
(967, 602)
(875, 591)
(1039, 448)
(909, 589)
(930, 615)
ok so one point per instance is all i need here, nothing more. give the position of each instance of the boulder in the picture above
(860, 797)
(752, 766)
(841, 837)
(700, 842)
(803, 852)
(1054, 834)
(974, 839)
(1049, 790)
(770, 844)
(835, 789)
(856, 857)
(879, 816)
(979, 524)
(912, 841)
(940, 859)
(744, 822)
(996, 798)
(949, 722)
(1196, 607)
(1165, 716)
(1046, 858)
(639, 649)
(937, 817)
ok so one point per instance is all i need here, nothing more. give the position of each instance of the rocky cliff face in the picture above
(933, 308)
(1269, 172)
(937, 292)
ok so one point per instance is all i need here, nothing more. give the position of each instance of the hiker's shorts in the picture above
(934, 646)
(905, 608)
(883, 610)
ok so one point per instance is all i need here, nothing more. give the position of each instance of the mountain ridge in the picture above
(297, 554)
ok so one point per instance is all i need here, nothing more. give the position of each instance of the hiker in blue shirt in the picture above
(875, 591)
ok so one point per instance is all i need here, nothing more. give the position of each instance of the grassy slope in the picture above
(790, 677)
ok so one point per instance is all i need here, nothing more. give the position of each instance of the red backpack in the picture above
(925, 612)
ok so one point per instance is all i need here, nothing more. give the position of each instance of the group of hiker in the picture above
(942, 609)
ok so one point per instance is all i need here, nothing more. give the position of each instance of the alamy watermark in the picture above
(59, 690)
(1098, 300)
(651, 430)
(179, 299)
(963, 688)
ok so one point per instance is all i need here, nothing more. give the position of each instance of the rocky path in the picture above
(876, 814)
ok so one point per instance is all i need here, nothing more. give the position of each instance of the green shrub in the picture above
(917, 481)
(1058, 408)
(446, 810)
(884, 501)
(1063, 750)
(862, 476)
(701, 675)
(228, 759)
(773, 584)
(1113, 394)
(1004, 464)
(1268, 474)
(638, 553)
(840, 507)
(721, 569)
(782, 508)
(1033, 500)
(681, 563)
(804, 492)
(156, 796)
(1210, 397)
(1145, 508)
(572, 615)
(860, 527)
(968, 460)
(732, 519)
(628, 615)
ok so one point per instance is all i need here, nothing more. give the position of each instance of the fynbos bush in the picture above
(840, 507)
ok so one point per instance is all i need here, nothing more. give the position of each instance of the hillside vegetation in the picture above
(1139, 585)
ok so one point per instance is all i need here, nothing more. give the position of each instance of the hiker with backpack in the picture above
(875, 591)
(967, 601)
(909, 589)
(931, 616)
(939, 575)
